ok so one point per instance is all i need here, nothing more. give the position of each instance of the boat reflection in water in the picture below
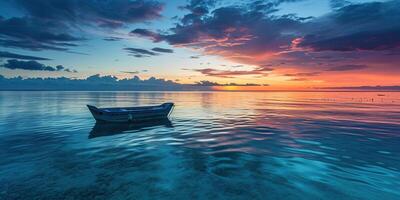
(107, 128)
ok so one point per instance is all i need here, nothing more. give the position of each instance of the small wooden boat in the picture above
(131, 114)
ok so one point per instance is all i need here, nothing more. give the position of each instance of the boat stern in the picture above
(169, 107)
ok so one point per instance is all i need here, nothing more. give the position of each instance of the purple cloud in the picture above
(347, 68)
(254, 34)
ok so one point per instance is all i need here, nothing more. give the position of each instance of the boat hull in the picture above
(101, 129)
(131, 114)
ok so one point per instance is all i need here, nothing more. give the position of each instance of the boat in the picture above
(131, 114)
(101, 129)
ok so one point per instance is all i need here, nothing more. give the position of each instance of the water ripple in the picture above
(217, 145)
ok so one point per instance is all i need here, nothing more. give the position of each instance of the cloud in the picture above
(307, 74)
(162, 50)
(69, 70)
(4, 54)
(232, 31)
(53, 25)
(130, 72)
(347, 68)
(210, 83)
(367, 88)
(302, 76)
(35, 34)
(233, 73)
(32, 65)
(134, 84)
(140, 52)
(298, 79)
(110, 14)
(254, 33)
(368, 40)
(112, 39)
(147, 34)
(199, 7)
(92, 83)
(350, 29)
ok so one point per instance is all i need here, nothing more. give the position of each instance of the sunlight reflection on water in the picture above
(217, 145)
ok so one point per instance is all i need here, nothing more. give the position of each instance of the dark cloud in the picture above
(4, 54)
(162, 50)
(53, 25)
(69, 70)
(140, 52)
(138, 55)
(307, 74)
(231, 25)
(368, 40)
(109, 14)
(347, 67)
(112, 39)
(130, 72)
(233, 31)
(349, 28)
(34, 34)
(236, 27)
(198, 9)
(147, 34)
(32, 65)
(59, 67)
(194, 57)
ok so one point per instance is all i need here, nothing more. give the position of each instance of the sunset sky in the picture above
(280, 44)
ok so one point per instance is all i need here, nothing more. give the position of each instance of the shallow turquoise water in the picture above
(217, 145)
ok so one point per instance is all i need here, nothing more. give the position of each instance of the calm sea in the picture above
(217, 145)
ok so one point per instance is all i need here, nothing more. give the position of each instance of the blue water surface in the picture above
(216, 145)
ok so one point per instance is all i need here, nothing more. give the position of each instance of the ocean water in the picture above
(216, 145)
